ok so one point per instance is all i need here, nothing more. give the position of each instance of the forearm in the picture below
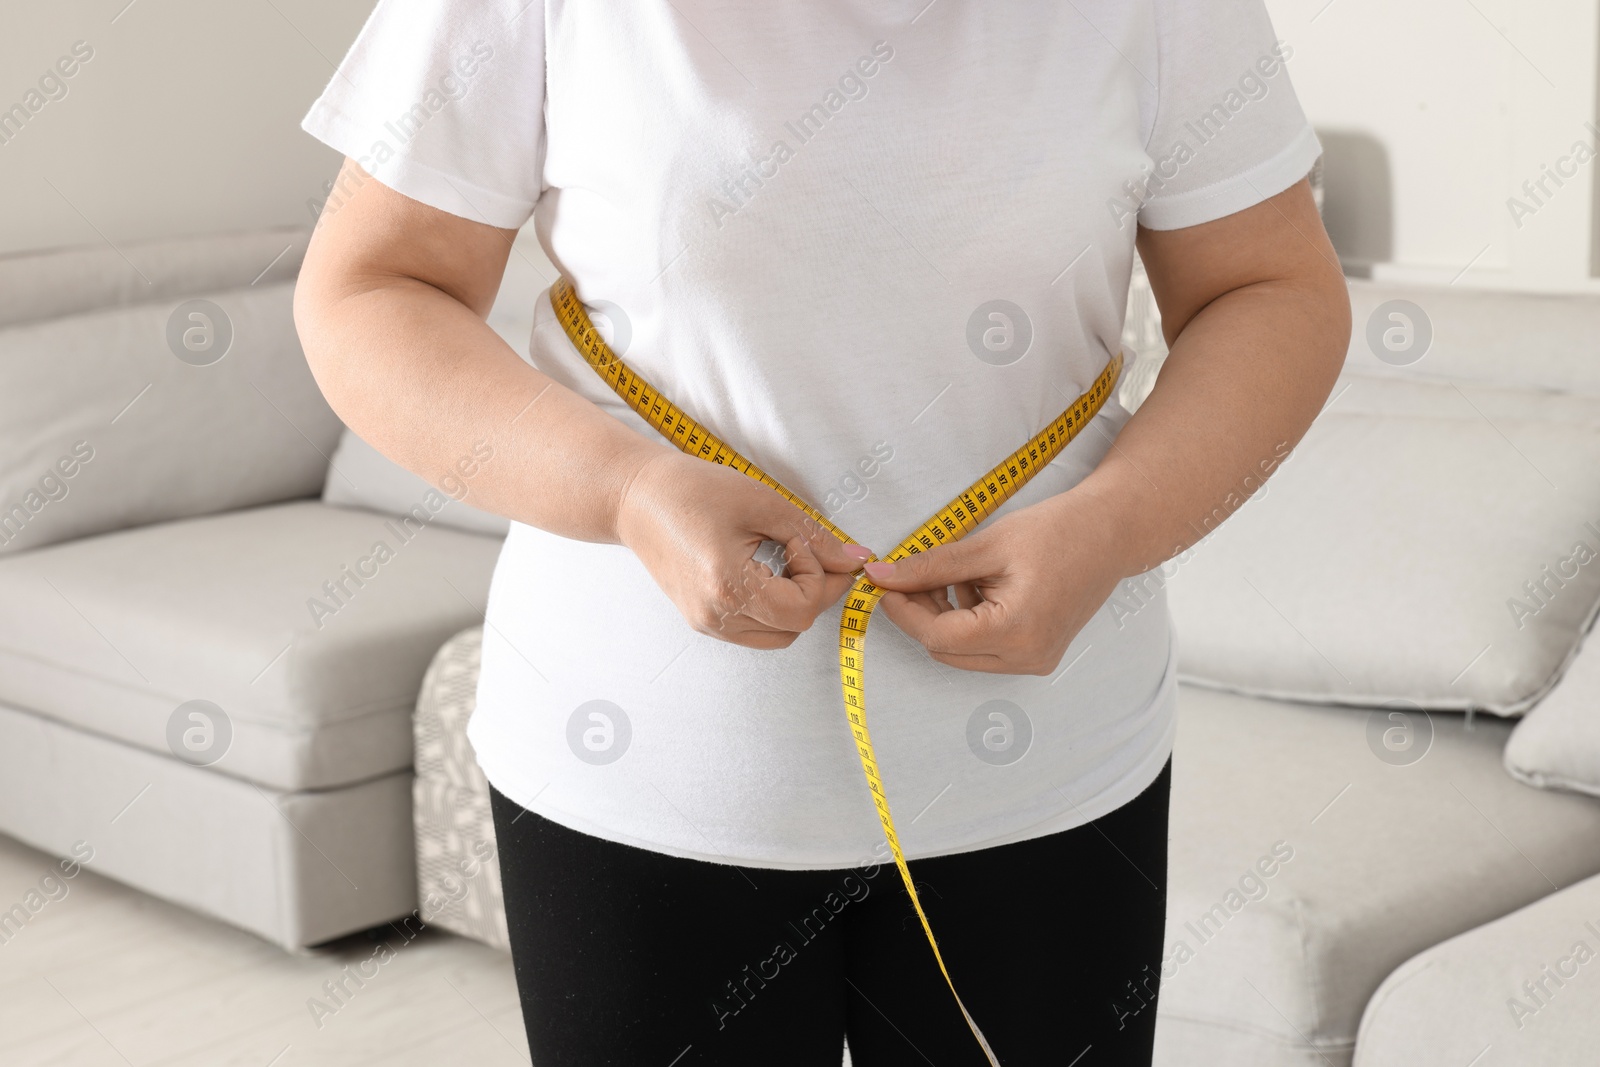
(425, 380)
(1245, 378)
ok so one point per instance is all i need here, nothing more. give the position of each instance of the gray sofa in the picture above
(1371, 646)
(171, 693)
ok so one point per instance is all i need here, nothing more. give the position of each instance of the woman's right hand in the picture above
(695, 526)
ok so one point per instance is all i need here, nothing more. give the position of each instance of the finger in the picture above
(936, 599)
(985, 663)
(764, 640)
(787, 522)
(967, 595)
(756, 599)
(739, 628)
(733, 625)
(1006, 662)
(744, 631)
(746, 606)
(948, 564)
(959, 631)
(837, 586)
(794, 601)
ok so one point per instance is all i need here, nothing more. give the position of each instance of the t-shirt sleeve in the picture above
(443, 101)
(1228, 130)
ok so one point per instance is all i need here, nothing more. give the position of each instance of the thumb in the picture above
(833, 554)
(948, 564)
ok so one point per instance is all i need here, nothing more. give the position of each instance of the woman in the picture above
(874, 247)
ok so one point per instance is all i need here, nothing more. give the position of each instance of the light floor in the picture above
(109, 976)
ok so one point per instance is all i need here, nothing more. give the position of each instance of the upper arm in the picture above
(1280, 240)
(435, 195)
(1227, 130)
(370, 236)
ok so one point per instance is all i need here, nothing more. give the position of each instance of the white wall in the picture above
(1465, 100)
(185, 121)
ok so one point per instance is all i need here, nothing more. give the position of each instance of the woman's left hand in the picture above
(1024, 587)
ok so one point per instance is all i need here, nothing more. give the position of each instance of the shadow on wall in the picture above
(1358, 199)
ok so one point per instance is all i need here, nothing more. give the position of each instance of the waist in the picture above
(751, 749)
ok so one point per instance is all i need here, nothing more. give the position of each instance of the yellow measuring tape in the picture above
(952, 522)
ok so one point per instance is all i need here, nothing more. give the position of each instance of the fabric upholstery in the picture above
(458, 866)
(1387, 859)
(298, 868)
(1519, 339)
(266, 613)
(67, 281)
(1428, 542)
(1523, 988)
(1557, 745)
(103, 427)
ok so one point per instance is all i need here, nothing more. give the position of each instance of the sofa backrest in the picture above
(1491, 337)
(49, 284)
(153, 382)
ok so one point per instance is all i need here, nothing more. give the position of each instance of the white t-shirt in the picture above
(875, 246)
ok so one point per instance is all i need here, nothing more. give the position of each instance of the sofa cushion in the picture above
(308, 626)
(362, 477)
(296, 868)
(103, 426)
(1523, 986)
(1516, 339)
(1311, 856)
(1557, 745)
(66, 281)
(1438, 543)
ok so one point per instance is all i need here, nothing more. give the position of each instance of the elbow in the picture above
(310, 326)
(1312, 306)
(306, 320)
(318, 316)
(1333, 317)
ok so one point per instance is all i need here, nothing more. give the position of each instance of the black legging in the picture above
(626, 956)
